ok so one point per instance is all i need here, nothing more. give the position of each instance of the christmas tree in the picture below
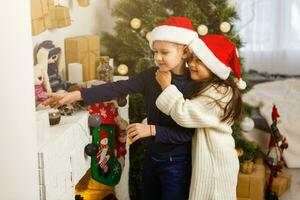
(129, 46)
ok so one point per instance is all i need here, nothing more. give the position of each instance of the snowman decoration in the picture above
(103, 154)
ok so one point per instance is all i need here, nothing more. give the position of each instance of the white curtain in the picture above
(270, 30)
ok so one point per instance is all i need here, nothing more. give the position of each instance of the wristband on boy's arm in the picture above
(152, 130)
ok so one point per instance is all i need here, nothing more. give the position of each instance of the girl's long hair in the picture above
(233, 108)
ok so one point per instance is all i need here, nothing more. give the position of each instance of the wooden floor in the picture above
(90, 189)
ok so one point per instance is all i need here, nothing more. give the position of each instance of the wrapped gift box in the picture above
(47, 6)
(39, 10)
(252, 186)
(85, 50)
(60, 17)
(37, 26)
(45, 15)
(52, 23)
(260, 159)
(83, 3)
(281, 183)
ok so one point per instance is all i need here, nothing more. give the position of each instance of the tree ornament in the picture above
(148, 35)
(212, 6)
(122, 69)
(247, 124)
(135, 23)
(202, 29)
(143, 32)
(225, 27)
(94, 120)
(240, 152)
(91, 149)
(122, 101)
(169, 11)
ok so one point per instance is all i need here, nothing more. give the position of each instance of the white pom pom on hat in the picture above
(219, 54)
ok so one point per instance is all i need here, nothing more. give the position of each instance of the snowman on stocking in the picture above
(103, 154)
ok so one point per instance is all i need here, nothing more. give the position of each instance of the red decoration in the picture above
(274, 157)
(108, 111)
(275, 113)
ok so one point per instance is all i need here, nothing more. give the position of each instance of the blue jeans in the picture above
(166, 179)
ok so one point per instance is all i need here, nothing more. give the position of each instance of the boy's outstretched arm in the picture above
(100, 93)
(58, 99)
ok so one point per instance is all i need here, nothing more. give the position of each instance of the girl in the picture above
(167, 164)
(212, 109)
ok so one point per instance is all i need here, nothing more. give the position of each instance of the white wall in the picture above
(94, 19)
(18, 143)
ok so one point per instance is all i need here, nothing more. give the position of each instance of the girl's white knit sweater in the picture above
(215, 162)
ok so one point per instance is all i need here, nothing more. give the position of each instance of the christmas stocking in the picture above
(105, 168)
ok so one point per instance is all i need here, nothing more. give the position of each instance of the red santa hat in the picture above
(175, 29)
(275, 113)
(219, 54)
(103, 135)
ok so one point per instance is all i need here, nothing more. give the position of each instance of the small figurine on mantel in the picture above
(41, 80)
(55, 79)
(274, 157)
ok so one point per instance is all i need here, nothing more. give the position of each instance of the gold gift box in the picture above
(90, 189)
(252, 186)
(83, 3)
(45, 16)
(39, 15)
(85, 50)
(60, 17)
(281, 183)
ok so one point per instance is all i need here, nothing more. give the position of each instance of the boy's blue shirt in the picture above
(171, 139)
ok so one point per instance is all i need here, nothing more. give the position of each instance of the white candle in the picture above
(111, 62)
(75, 72)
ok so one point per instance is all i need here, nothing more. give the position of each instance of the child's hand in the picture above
(163, 78)
(58, 99)
(137, 131)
